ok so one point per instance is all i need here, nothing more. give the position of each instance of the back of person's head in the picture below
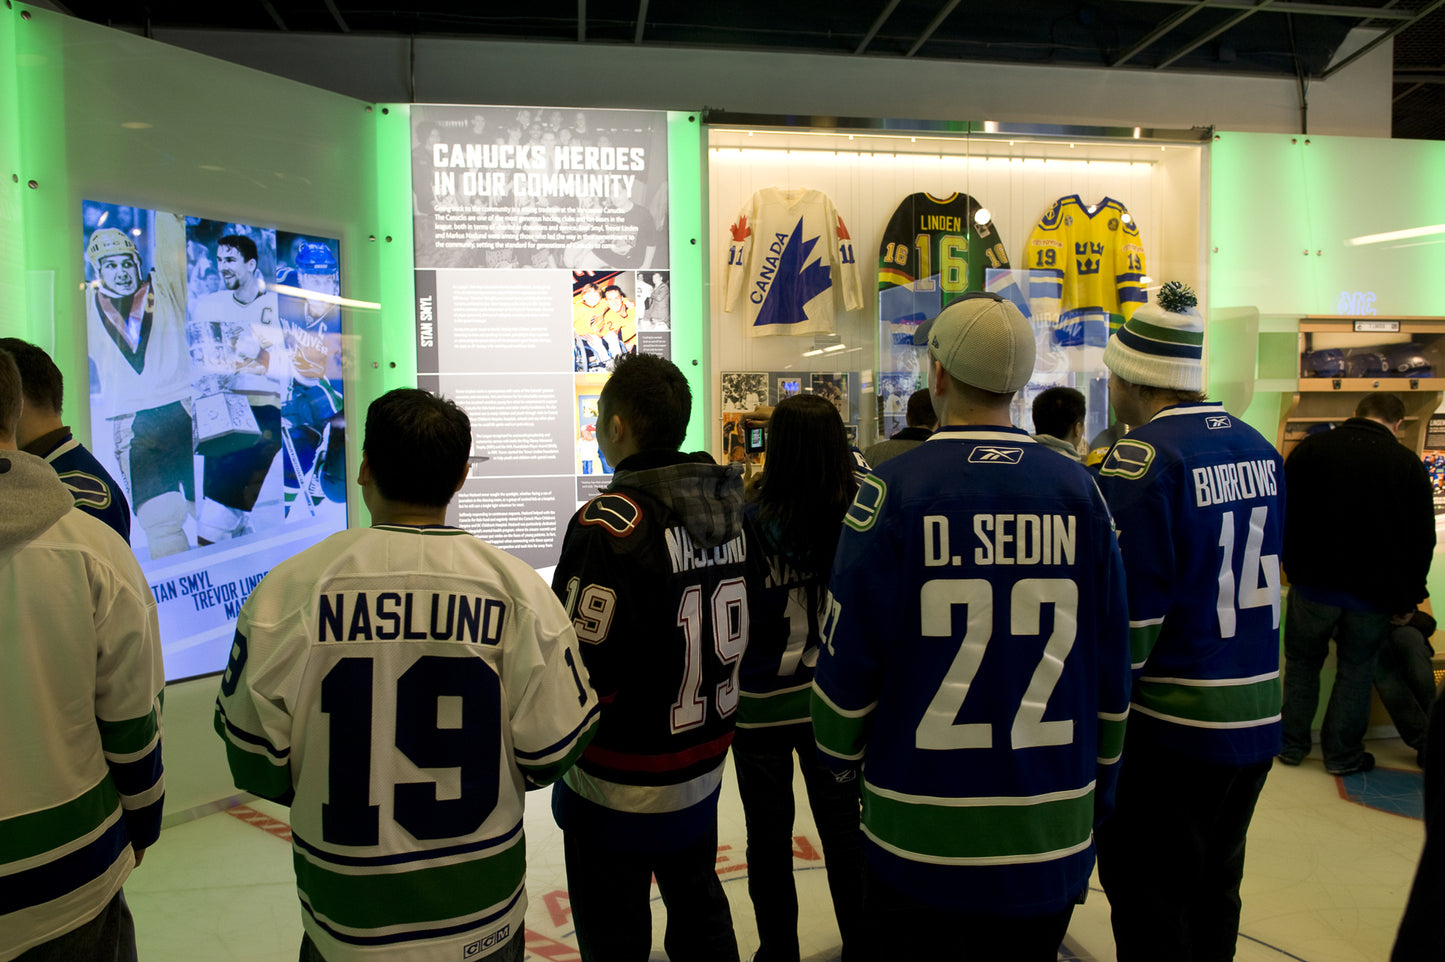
(1057, 410)
(417, 446)
(984, 343)
(651, 395)
(1387, 408)
(920, 412)
(808, 481)
(9, 395)
(40, 379)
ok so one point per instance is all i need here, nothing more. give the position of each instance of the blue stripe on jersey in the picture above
(1128, 278)
(405, 857)
(416, 935)
(250, 739)
(1134, 295)
(1160, 348)
(64, 874)
(561, 744)
(1051, 287)
(133, 778)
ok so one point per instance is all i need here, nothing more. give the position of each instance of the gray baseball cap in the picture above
(983, 341)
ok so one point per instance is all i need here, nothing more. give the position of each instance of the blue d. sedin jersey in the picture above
(1198, 498)
(975, 663)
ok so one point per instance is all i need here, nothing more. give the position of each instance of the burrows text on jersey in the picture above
(1005, 539)
(411, 616)
(1222, 483)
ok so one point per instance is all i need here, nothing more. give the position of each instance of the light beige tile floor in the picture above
(1326, 881)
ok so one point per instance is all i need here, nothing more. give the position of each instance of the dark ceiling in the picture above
(1292, 38)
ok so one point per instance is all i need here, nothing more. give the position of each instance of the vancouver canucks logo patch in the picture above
(1129, 459)
(994, 454)
(1217, 422)
(617, 513)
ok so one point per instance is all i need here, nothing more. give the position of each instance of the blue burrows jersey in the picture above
(789, 259)
(934, 246)
(1086, 266)
(1198, 497)
(975, 662)
(95, 491)
(653, 571)
(398, 687)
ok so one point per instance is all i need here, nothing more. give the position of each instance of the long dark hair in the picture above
(807, 482)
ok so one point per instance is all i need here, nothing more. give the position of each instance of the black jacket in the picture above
(1359, 516)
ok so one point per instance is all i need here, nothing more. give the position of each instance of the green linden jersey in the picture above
(936, 244)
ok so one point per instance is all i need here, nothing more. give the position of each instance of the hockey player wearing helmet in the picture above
(313, 422)
(136, 322)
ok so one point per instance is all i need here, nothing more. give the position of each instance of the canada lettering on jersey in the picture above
(686, 556)
(1239, 481)
(411, 616)
(1005, 539)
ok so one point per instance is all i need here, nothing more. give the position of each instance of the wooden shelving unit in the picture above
(1323, 400)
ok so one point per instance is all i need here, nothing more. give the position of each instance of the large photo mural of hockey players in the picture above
(216, 402)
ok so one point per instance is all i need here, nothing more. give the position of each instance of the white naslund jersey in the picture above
(398, 687)
(790, 253)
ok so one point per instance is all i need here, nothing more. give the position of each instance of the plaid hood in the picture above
(708, 498)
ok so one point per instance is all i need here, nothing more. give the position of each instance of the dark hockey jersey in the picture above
(1198, 497)
(94, 489)
(653, 573)
(975, 662)
(934, 246)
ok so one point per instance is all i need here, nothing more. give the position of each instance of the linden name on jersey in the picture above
(411, 616)
(943, 223)
(1005, 539)
(1223, 483)
(686, 556)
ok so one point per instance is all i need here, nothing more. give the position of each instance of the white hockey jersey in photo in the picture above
(789, 253)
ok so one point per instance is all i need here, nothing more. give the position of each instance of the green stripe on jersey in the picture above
(1019, 832)
(1226, 705)
(127, 737)
(1141, 642)
(839, 734)
(762, 709)
(386, 897)
(549, 773)
(1111, 737)
(254, 771)
(34, 833)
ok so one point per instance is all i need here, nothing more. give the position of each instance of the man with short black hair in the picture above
(1197, 497)
(81, 783)
(921, 421)
(1350, 588)
(975, 664)
(652, 571)
(1059, 420)
(399, 686)
(42, 433)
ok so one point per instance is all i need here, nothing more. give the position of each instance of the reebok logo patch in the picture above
(1216, 422)
(992, 454)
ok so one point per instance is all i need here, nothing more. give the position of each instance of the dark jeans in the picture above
(1421, 937)
(1171, 856)
(109, 937)
(1405, 680)
(914, 930)
(1358, 635)
(763, 759)
(609, 891)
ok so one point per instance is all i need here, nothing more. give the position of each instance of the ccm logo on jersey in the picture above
(1216, 422)
(617, 513)
(988, 454)
(475, 949)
